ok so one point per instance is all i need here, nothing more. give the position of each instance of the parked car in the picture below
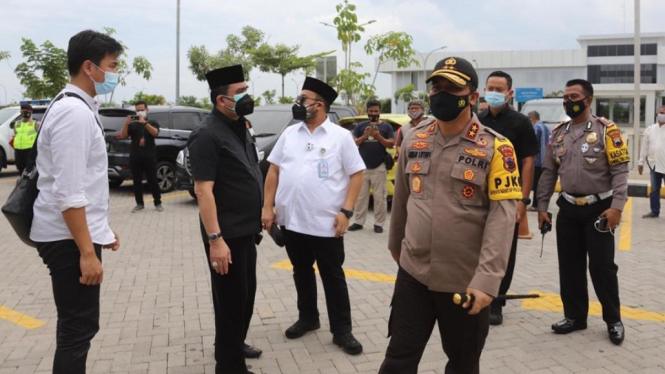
(551, 111)
(396, 121)
(8, 117)
(175, 125)
(269, 123)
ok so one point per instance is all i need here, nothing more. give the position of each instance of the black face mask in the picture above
(300, 112)
(25, 114)
(374, 118)
(574, 108)
(244, 106)
(446, 106)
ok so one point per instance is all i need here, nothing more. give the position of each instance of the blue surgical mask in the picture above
(495, 99)
(109, 84)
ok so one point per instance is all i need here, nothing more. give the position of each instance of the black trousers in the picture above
(21, 159)
(510, 269)
(147, 165)
(328, 253)
(576, 238)
(77, 305)
(415, 309)
(537, 172)
(233, 300)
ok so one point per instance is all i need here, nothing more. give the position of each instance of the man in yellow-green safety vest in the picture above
(26, 133)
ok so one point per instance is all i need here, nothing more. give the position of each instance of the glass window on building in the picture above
(624, 73)
(622, 111)
(650, 49)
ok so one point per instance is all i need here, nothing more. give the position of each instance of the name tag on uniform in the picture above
(323, 169)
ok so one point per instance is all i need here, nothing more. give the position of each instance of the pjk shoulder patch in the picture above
(616, 148)
(504, 178)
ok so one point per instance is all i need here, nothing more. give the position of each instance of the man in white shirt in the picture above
(653, 153)
(71, 213)
(314, 179)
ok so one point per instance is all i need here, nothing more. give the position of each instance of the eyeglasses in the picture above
(300, 99)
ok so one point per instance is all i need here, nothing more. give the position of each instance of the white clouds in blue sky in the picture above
(147, 27)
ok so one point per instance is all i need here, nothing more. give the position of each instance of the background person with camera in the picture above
(143, 154)
(373, 138)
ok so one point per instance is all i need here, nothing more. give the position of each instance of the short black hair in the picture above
(372, 103)
(501, 74)
(221, 90)
(141, 103)
(586, 86)
(533, 114)
(26, 107)
(90, 45)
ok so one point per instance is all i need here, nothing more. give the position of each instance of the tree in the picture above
(190, 101)
(269, 96)
(283, 59)
(348, 32)
(286, 100)
(140, 65)
(148, 99)
(237, 51)
(405, 94)
(4, 55)
(386, 105)
(44, 73)
(554, 94)
(392, 46)
(349, 82)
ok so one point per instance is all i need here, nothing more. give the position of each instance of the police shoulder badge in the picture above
(615, 135)
(616, 149)
(508, 154)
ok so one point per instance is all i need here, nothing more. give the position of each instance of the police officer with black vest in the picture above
(229, 189)
(591, 158)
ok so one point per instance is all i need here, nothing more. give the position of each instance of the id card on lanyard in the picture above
(322, 166)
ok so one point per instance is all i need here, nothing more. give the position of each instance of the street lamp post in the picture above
(4, 88)
(177, 57)
(296, 85)
(425, 61)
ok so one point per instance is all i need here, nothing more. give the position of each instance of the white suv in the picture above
(8, 116)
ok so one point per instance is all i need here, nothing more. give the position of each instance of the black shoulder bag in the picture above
(19, 206)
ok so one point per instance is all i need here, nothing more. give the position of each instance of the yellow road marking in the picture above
(626, 226)
(546, 302)
(552, 303)
(20, 319)
(171, 196)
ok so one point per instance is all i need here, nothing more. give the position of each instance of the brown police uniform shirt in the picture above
(454, 207)
(588, 162)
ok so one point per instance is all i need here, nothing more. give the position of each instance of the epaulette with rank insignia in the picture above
(559, 125)
(606, 122)
(425, 123)
(496, 134)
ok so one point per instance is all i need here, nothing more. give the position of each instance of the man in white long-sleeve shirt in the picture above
(71, 213)
(653, 154)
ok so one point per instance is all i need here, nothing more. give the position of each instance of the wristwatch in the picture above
(347, 213)
(214, 236)
(525, 200)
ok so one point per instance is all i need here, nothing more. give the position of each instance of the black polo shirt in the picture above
(217, 153)
(516, 127)
(372, 152)
(138, 132)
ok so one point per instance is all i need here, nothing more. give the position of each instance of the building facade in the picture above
(607, 61)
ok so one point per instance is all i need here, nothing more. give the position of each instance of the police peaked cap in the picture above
(225, 76)
(321, 88)
(457, 70)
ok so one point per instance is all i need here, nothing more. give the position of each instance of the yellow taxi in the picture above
(396, 121)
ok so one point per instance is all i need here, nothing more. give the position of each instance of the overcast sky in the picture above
(148, 28)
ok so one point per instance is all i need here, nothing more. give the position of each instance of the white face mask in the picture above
(661, 118)
(142, 114)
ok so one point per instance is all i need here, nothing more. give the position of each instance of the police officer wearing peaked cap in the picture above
(229, 189)
(456, 193)
(590, 157)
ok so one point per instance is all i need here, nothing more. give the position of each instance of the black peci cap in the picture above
(26, 107)
(225, 76)
(321, 88)
(456, 70)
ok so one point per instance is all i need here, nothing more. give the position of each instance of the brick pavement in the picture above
(157, 312)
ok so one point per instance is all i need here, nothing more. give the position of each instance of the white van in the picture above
(8, 116)
(551, 110)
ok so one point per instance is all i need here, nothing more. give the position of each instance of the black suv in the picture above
(175, 125)
(269, 123)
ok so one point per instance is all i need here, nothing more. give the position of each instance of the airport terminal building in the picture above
(607, 61)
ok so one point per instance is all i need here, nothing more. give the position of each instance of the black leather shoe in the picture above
(378, 229)
(252, 352)
(567, 325)
(616, 332)
(348, 343)
(355, 227)
(301, 328)
(496, 317)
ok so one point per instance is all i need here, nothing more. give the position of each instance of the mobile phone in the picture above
(602, 223)
(372, 126)
(135, 118)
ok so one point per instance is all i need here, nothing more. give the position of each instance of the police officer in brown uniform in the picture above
(456, 193)
(590, 157)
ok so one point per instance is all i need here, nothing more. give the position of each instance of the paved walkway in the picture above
(157, 312)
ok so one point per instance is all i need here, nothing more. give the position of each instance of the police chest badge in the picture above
(469, 174)
(468, 192)
(592, 138)
(585, 147)
(482, 142)
(420, 144)
(508, 154)
(416, 168)
(591, 160)
(475, 152)
(417, 184)
(422, 135)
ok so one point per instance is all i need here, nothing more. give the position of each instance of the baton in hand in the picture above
(544, 229)
(461, 298)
